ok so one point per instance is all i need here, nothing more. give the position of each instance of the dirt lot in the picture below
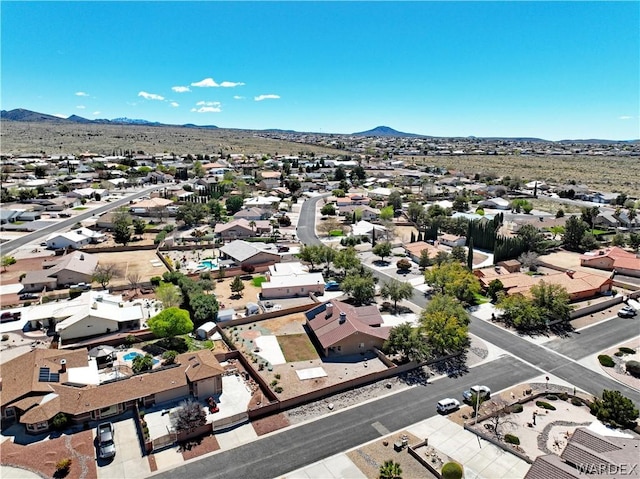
(142, 262)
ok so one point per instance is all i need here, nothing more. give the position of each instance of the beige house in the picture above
(291, 280)
(613, 259)
(241, 228)
(341, 329)
(73, 268)
(44, 382)
(244, 253)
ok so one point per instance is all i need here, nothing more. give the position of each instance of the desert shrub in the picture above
(451, 470)
(563, 396)
(274, 383)
(545, 405)
(511, 439)
(278, 389)
(156, 280)
(625, 350)
(142, 413)
(633, 368)
(606, 361)
(5, 337)
(46, 299)
(552, 397)
(60, 421)
(516, 408)
(277, 376)
(618, 354)
(62, 467)
(576, 401)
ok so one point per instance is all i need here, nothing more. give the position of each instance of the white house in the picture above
(495, 203)
(364, 228)
(290, 280)
(75, 239)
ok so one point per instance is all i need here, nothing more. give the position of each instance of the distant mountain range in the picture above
(21, 114)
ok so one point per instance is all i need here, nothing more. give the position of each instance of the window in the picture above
(10, 412)
(361, 345)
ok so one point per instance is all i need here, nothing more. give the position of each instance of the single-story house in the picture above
(414, 250)
(261, 201)
(150, 206)
(9, 216)
(610, 259)
(75, 239)
(252, 214)
(290, 280)
(495, 203)
(341, 329)
(38, 385)
(244, 253)
(238, 229)
(579, 285)
(452, 240)
(364, 228)
(73, 268)
(368, 213)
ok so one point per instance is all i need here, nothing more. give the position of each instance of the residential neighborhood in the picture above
(200, 302)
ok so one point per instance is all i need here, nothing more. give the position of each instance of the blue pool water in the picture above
(133, 354)
(207, 263)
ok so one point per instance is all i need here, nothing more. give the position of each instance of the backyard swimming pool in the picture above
(130, 357)
(209, 264)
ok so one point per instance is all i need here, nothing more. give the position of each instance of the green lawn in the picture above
(80, 208)
(297, 347)
(258, 280)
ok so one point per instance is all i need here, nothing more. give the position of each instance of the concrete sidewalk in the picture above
(480, 458)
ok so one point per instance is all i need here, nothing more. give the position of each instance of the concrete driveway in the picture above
(129, 463)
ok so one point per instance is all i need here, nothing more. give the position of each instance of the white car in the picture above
(483, 391)
(447, 405)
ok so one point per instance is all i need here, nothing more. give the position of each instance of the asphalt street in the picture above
(9, 246)
(293, 448)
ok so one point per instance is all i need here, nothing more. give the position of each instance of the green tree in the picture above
(532, 238)
(589, 214)
(395, 200)
(414, 211)
(360, 287)
(408, 342)
(139, 225)
(588, 242)
(574, 231)
(386, 213)
(404, 265)
(346, 259)
(237, 286)
(311, 254)
(293, 184)
(460, 203)
(382, 249)
(396, 291)
(142, 363)
(328, 210)
(470, 255)
(458, 254)
(619, 240)
(615, 409)
(121, 226)
(424, 261)
(169, 295)
(520, 312)
(634, 241)
(390, 470)
(7, 261)
(198, 170)
(495, 287)
(339, 174)
(191, 213)
(553, 301)
(450, 306)
(216, 210)
(171, 322)
(452, 470)
(234, 204)
(204, 307)
(444, 333)
(455, 280)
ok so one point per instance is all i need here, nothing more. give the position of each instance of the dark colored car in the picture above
(27, 296)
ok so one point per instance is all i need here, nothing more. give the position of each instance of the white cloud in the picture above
(96, 112)
(175, 104)
(207, 109)
(266, 97)
(150, 96)
(180, 89)
(60, 115)
(625, 117)
(80, 107)
(81, 93)
(211, 83)
(238, 97)
(230, 84)
(208, 103)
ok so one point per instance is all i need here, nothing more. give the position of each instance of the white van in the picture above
(447, 405)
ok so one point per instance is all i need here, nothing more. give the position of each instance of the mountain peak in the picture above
(383, 131)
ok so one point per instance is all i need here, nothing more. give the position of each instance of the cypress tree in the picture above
(470, 255)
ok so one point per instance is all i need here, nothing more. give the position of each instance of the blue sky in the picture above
(552, 70)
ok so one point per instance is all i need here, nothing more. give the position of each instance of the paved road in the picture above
(297, 447)
(306, 229)
(9, 246)
(595, 338)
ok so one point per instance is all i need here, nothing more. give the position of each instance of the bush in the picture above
(624, 350)
(278, 389)
(277, 376)
(62, 467)
(576, 401)
(633, 368)
(618, 354)
(511, 439)
(515, 408)
(552, 397)
(60, 421)
(606, 361)
(46, 299)
(5, 337)
(248, 268)
(274, 383)
(169, 357)
(451, 470)
(545, 405)
(155, 280)
(563, 396)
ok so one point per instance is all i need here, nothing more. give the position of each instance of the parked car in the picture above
(483, 391)
(82, 286)
(106, 446)
(447, 405)
(332, 286)
(27, 296)
(627, 312)
(7, 317)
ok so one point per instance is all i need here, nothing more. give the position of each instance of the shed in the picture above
(252, 308)
(226, 314)
(206, 330)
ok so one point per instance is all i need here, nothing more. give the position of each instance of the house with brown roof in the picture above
(241, 228)
(610, 259)
(579, 284)
(591, 455)
(414, 250)
(341, 329)
(73, 268)
(38, 385)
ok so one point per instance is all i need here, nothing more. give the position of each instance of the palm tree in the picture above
(252, 225)
(390, 470)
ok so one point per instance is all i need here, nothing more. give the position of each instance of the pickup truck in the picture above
(483, 391)
(106, 446)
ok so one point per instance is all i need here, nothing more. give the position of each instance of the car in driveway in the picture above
(483, 391)
(27, 296)
(332, 286)
(106, 444)
(8, 316)
(627, 312)
(81, 286)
